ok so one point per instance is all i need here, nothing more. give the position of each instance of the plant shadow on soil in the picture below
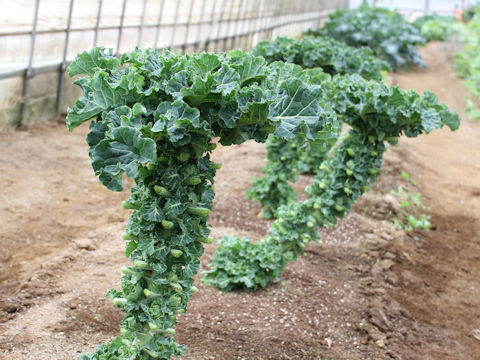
(369, 291)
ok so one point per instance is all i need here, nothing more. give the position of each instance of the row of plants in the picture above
(330, 55)
(388, 34)
(376, 114)
(238, 262)
(286, 159)
(156, 117)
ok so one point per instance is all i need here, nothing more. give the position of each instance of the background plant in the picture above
(332, 56)
(286, 159)
(388, 34)
(434, 26)
(467, 63)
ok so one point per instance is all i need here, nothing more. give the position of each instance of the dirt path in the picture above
(445, 292)
(368, 292)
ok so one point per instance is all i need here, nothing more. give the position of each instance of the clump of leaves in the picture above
(388, 34)
(434, 26)
(332, 56)
(411, 212)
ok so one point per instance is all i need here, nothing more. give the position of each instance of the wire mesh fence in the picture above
(36, 53)
(417, 7)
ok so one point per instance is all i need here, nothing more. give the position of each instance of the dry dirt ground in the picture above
(369, 291)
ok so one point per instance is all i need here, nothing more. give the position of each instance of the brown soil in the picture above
(369, 291)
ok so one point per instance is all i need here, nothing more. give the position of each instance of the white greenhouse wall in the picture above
(180, 23)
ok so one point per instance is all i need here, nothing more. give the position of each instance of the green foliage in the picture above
(467, 64)
(285, 159)
(273, 190)
(411, 209)
(434, 26)
(332, 56)
(154, 117)
(388, 111)
(470, 12)
(388, 34)
(376, 114)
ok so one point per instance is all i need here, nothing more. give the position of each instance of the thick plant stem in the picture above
(165, 258)
(285, 159)
(272, 190)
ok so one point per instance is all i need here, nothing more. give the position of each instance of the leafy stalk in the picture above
(286, 158)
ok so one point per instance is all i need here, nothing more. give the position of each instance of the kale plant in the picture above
(388, 34)
(434, 26)
(154, 118)
(286, 158)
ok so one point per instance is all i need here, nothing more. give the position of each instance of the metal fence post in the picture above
(200, 23)
(427, 6)
(120, 27)
(187, 29)
(244, 28)
(265, 21)
(174, 27)
(159, 23)
(63, 66)
(229, 23)
(235, 35)
(258, 22)
(28, 72)
(97, 23)
(252, 22)
(206, 41)
(142, 20)
(219, 23)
